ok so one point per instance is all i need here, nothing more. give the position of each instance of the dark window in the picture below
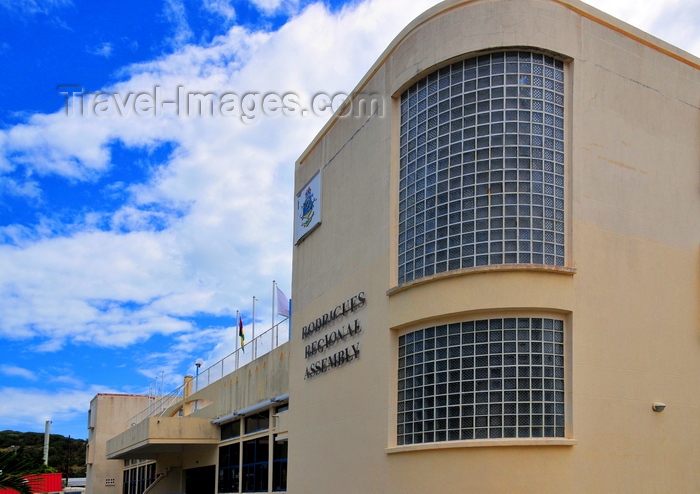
(255, 464)
(231, 430)
(139, 478)
(279, 466)
(229, 467)
(257, 422)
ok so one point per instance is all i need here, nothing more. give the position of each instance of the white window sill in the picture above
(491, 268)
(483, 443)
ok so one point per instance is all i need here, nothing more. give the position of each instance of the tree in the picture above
(32, 444)
(13, 466)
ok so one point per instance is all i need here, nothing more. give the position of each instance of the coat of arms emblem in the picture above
(307, 209)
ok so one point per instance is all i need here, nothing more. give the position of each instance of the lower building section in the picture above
(237, 442)
(250, 455)
(138, 476)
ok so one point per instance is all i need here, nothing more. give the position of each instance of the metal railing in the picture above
(259, 346)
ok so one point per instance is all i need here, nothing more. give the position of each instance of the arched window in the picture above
(482, 165)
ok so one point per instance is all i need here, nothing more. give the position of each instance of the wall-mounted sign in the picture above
(307, 215)
(320, 347)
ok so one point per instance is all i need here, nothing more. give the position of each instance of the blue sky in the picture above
(129, 238)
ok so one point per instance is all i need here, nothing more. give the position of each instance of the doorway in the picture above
(200, 480)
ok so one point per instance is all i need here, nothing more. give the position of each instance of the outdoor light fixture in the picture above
(658, 406)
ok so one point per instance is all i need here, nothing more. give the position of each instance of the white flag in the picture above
(282, 303)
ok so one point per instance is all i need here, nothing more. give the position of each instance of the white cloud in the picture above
(679, 24)
(267, 6)
(175, 13)
(59, 287)
(27, 408)
(103, 50)
(14, 371)
(640, 13)
(674, 21)
(55, 144)
(185, 348)
(221, 8)
(27, 188)
(32, 7)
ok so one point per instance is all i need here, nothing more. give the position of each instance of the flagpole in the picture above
(274, 285)
(289, 320)
(252, 336)
(237, 330)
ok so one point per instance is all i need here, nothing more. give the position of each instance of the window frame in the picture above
(280, 460)
(256, 422)
(560, 229)
(256, 474)
(393, 445)
(258, 464)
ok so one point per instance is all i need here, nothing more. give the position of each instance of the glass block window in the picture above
(482, 165)
(484, 379)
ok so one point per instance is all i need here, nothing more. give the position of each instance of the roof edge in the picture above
(583, 9)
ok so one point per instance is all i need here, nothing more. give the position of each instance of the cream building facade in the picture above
(496, 277)
(521, 220)
(107, 417)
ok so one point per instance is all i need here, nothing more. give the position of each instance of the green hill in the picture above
(65, 455)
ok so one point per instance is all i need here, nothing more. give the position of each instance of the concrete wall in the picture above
(262, 379)
(630, 292)
(108, 417)
(155, 434)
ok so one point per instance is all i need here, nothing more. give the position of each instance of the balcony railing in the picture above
(259, 346)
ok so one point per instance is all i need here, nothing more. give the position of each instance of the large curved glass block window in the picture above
(482, 165)
(485, 379)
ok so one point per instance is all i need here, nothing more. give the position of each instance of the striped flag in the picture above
(241, 334)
